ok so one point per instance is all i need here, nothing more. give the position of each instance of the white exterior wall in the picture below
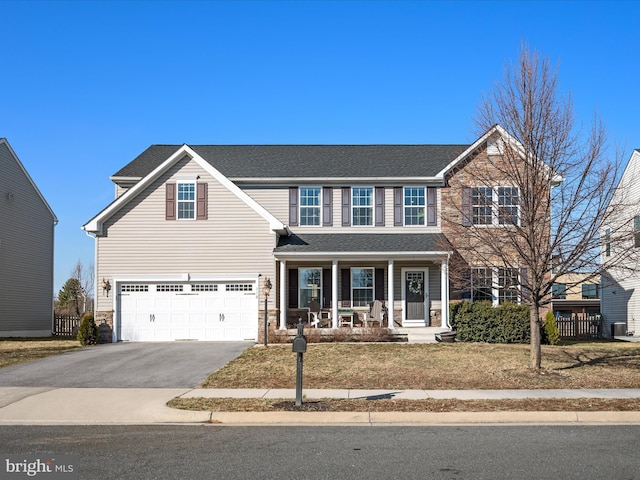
(620, 299)
(139, 241)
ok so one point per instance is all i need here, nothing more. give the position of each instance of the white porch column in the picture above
(390, 287)
(444, 292)
(334, 293)
(283, 295)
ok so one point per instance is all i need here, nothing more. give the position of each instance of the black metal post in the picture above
(299, 369)
(265, 320)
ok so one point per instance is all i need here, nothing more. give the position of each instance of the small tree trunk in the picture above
(536, 351)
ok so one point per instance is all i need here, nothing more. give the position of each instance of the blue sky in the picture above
(86, 86)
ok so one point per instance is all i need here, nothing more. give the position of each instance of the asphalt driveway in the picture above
(126, 365)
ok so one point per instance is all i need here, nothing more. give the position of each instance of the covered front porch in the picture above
(334, 280)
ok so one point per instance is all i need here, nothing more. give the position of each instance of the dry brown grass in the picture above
(435, 366)
(19, 350)
(390, 405)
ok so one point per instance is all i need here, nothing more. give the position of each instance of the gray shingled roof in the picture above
(362, 242)
(291, 161)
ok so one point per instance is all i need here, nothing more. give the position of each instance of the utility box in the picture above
(618, 329)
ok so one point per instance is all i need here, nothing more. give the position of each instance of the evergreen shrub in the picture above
(482, 322)
(551, 333)
(88, 332)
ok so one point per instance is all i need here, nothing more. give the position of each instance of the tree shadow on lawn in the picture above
(603, 359)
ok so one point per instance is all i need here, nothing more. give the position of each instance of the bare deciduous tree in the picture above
(533, 211)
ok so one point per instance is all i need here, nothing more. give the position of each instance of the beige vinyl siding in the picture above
(26, 252)
(276, 201)
(139, 241)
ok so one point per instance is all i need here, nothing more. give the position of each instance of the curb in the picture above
(423, 418)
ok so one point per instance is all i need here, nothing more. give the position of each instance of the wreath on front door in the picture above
(415, 286)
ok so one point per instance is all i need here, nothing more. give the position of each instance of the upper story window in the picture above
(607, 242)
(310, 205)
(362, 286)
(492, 206)
(482, 205)
(559, 291)
(362, 205)
(589, 290)
(414, 205)
(508, 202)
(636, 231)
(186, 200)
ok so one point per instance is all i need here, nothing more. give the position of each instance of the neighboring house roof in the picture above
(365, 243)
(307, 161)
(26, 174)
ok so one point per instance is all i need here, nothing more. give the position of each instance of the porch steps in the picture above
(421, 334)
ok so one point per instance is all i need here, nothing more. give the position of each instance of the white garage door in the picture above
(156, 312)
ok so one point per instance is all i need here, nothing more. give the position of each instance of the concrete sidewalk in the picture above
(139, 406)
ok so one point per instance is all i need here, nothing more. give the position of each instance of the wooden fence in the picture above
(580, 326)
(65, 325)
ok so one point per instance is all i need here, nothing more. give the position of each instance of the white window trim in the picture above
(300, 206)
(371, 207)
(495, 207)
(192, 202)
(405, 206)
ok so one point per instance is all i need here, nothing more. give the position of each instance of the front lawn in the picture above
(435, 366)
(18, 350)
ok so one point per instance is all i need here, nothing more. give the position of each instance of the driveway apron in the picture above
(126, 365)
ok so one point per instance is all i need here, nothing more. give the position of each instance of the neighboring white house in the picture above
(620, 300)
(26, 251)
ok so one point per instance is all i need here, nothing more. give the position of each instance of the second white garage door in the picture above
(156, 312)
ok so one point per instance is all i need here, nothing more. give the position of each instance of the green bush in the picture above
(88, 331)
(482, 322)
(551, 333)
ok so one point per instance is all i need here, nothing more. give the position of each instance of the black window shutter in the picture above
(293, 288)
(346, 206)
(201, 201)
(380, 206)
(379, 279)
(170, 203)
(466, 207)
(327, 206)
(345, 299)
(326, 288)
(293, 206)
(398, 221)
(432, 206)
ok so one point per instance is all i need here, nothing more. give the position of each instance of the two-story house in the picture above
(620, 292)
(26, 251)
(195, 232)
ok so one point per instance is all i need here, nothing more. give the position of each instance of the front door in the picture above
(416, 313)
